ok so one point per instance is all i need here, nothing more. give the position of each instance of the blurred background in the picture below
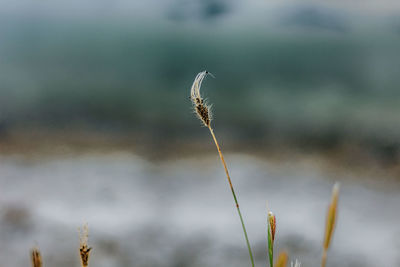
(96, 126)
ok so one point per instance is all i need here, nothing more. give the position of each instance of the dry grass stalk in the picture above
(84, 249)
(203, 111)
(36, 257)
(282, 259)
(330, 223)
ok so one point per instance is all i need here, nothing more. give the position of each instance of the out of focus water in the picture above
(293, 71)
(179, 212)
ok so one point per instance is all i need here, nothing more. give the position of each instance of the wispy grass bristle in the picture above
(36, 257)
(84, 249)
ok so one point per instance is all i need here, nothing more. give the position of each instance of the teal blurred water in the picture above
(271, 82)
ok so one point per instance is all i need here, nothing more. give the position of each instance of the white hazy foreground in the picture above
(178, 208)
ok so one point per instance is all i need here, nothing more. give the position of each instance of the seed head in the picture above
(202, 109)
(272, 224)
(84, 249)
(36, 257)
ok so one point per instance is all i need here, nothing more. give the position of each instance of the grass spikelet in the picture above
(202, 109)
(36, 257)
(84, 249)
(282, 259)
(203, 113)
(271, 237)
(330, 223)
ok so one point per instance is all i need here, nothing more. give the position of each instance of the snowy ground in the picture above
(181, 213)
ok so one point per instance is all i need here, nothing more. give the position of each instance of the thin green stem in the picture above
(233, 193)
(270, 246)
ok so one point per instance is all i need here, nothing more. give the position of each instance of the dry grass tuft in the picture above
(84, 249)
(36, 257)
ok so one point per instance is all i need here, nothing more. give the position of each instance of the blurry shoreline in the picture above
(359, 160)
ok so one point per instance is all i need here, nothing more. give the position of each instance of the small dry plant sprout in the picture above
(36, 257)
(203, 112)
(282, 259)
(84, 249)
